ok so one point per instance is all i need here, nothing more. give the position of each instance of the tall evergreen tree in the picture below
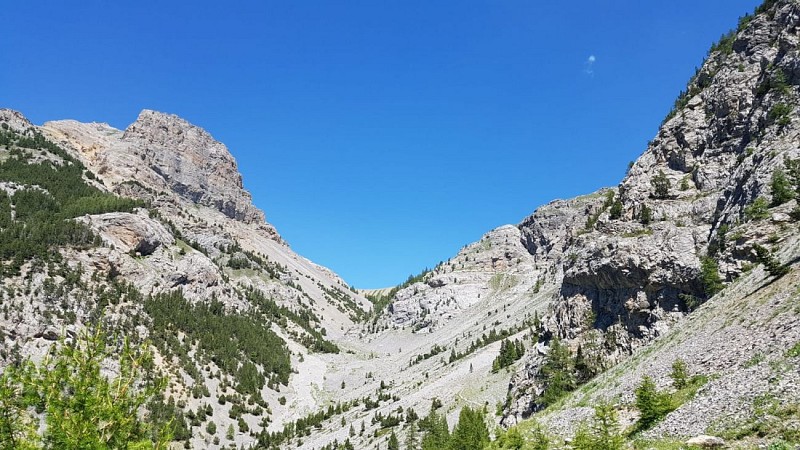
(470, 432)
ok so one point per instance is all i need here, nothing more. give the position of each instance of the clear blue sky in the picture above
(378, 136)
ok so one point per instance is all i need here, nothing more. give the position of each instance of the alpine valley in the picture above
(664, 309)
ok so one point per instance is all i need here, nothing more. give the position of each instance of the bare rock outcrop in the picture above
(130, 233)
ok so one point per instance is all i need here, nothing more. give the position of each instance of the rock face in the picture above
(192, 164)
(163, 152)
(131, 233)
(624, 265)
(622, 273)
(197, 236)
(638, 273)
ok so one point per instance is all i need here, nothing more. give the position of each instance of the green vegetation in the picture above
(236, 343)
(380, 302)
(42, 214)
(299, 428)
(780, 114)
(770, 419)
(314, 339)
(782, 190)
(558, 372)
(513, 439)
(602, 433)
(679, 375)
(493, 336)
(653, 405)
(510, 352)
(758, 210)
(470, 432)
(608, 203)
(661, 185)
(393, 444)
(709, 276)
(645, 215)
(615, 212)
(80, 407)
(771, 263)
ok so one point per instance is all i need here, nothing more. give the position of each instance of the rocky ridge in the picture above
(625, 264)
(617, 273)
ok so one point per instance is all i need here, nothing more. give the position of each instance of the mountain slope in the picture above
(692, 257)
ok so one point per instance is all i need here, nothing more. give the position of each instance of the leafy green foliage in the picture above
(615, 212)
(661, 185)
(234, 342)
(393, 444)
(512, 439)
(602, 433)
(782, 190)
(793, 352)
(680, 378)
(81, 407)
(510, 352)
(758, 210)
(557, 373)
(645, 215)
(709, 276)
(470, 432)
(380, 302)
(436, 431)
(780, 114)
(314, 338)
(298, 428)
(42, 214)
(653, 404)
(771, 263)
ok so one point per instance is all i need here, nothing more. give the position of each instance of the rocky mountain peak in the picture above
(192, 163)
(14, 119)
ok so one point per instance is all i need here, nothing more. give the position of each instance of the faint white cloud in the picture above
(588, 66)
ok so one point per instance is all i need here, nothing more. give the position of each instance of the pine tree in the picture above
(558, 372)
(679, 374)
(661, 185)
(602, 433)
(652, 404)
(782, 190)
(437, 432)
(411, 438)
(470, 432)
(81, 407)
(394, 444)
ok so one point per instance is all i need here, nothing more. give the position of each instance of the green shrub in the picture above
(661, 185)
(779, 114)
(645, 215)
(793, 352)
(80, 407)
(758, 210)
(470, 432)
(653, 404)
(616, 210)
(782, 190)
(771, 263)
(709, 276)
(679, 375)
(602, 433)
(558, 373)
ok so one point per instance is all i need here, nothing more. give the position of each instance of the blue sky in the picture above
(378, 136)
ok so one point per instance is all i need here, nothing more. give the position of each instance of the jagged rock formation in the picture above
(623, 274)
(199, 235)
(626, 263)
